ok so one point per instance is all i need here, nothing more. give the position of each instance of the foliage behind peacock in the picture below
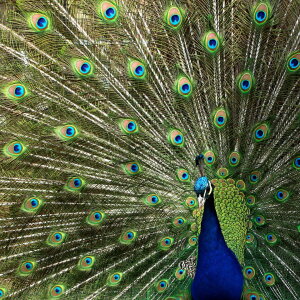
(104, 107)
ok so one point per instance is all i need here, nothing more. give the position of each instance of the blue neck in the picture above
(218, 274)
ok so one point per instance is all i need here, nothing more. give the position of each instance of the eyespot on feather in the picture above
(261, 13)
(162, 285)
(56, 291)
(108, 11)
(293, 62)
(114, 279)
(174, 17)
(183, 175)
(282, 195)
(128, 237)
(269, 279)
(67, 132)
(183, 86)
(209, 158)
(27, 267)
(40, 22)
(75, 184)
(137, 69)
(56, 238)
(234, 159)
(14, 149)
(128, 126)
(211, 42)
(261, 132)
(95, 217)
(245, 82)
(248, 272)
(180, 273)
(16, 91)
(165, 243)
(32, 205)
(86, 263)
(152, 200)
(132, 168)
(82, 67)
(176, 138)
(220, 118)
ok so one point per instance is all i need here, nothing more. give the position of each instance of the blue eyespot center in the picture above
(212, 43)
(116, 277)
(77, 182)
(58, 290)
(185, 175)
(34, 202)
(192, 202)
(88, 260)
(110, 13)
(270, 237)
(85, 68)
(42, 23)
(253, 177)
(19, 91)
(185, 88)
(245, 84)
(259, 133)
(139, 70)
(58, 236)
(131, 126)
(181, 272)
(154, 199)
(28, 266)
(249, 271)
(1, 292)
(17, 148)
(130, 235)
(97, 216)
(221, 120)
(163, 284)
(70, 131)
(253, 297)
(261, 16)
(180, 221)
(178, 139)
(268, 277)
(134, 168)
(280, 195)
(175, 19)
(210, 159)
(248, 237)
(233, 160)
(258, 219)
(167, 241)
(297, 162)
(294, 63)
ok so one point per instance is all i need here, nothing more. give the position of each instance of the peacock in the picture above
(150, 149)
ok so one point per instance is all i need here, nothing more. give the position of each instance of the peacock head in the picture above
(202, 186)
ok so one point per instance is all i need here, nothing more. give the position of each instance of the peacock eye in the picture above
(176, 138)
(173, 18)
(211, 42)
(82, 67)
(128, 237)
(183, 86)
(162, 285)
(245, 82)
(108, 11)
(137, 69)
(114, 279)
(261, 13)
(39, 22)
